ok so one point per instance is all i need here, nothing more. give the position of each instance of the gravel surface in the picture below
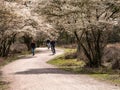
(33, 73)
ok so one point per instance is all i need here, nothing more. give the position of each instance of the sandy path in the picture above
(33, 73)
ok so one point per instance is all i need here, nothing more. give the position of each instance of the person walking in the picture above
(52, 43)
(33, 46)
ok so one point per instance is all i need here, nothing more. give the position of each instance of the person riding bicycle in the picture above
(52, 43)
(48, 43)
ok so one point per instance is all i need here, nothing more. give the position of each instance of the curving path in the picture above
(33, 73)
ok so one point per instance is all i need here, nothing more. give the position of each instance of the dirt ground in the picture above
(33, 73)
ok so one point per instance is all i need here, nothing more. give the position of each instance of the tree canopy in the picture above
(90, 21)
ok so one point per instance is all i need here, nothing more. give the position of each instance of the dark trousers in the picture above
(33, 51)
(53, 49)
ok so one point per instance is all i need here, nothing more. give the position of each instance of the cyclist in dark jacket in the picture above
(52, 43)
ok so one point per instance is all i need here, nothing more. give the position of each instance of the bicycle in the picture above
(53, 50)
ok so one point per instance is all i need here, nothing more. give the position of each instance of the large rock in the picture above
(111, 56)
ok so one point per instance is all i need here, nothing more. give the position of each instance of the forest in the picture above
(91, 27)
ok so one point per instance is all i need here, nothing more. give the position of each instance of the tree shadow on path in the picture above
(44, 71)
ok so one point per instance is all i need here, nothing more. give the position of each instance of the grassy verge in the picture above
(14, 57)
(75, 66)
(3, 85)
(112, 78)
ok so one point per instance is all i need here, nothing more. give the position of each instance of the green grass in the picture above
(74, 66)
(113, 78)
(70, 50)
(71, 65)
(66, 63)
(3, 85)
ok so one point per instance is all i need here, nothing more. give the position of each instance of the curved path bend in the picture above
(33, 73)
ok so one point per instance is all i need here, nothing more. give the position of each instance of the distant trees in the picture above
(90, 21)
(65, 38)
(114, 37)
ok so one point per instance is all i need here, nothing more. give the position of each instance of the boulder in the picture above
(111, 58)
